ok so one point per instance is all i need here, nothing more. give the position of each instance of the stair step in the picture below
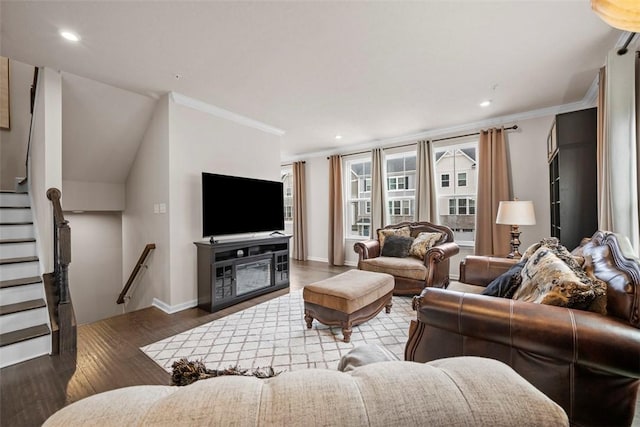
(20, 282)
(18, 270)
(8, 199)
(23, 240)
(8, 224)
(21, 306)
(17, 250)
(20, 335)
(18, 260)
(13, 214)
(17, 231)
(16, 207)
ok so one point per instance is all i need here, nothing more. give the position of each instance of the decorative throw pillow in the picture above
(546, 279)
(386, 232)
(422, 243)
(506, 284)
(397, 246)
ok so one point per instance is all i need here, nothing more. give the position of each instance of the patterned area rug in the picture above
(274, 334)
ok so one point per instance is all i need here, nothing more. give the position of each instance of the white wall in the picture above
(529, 175)
(201, 142)
(46, 160)
(13, 142)
(95, 272)
(93, 196)
(146, 185)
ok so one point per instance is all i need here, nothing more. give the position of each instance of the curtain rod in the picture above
(290, 164)
(514, 127)
(623, 49)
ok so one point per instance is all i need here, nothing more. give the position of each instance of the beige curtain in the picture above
(604, 192)
(493, 187)
(378, 208)
(426, 205)
(299, 212)
(336, 225)
(620, 146)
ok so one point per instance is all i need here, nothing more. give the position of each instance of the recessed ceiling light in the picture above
(338, 136)
(485, 103)
(70, 36)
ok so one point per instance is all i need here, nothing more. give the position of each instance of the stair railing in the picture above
(61, 260)
(145, 253)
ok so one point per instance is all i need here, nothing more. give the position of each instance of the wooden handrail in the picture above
(61, 260)
(134, 273)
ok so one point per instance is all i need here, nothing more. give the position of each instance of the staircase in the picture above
(24, 319)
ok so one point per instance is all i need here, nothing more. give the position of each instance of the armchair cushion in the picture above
(386, 232)
(422, 243)
(397, 246)
(409, 267)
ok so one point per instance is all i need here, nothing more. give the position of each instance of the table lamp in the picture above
(516, 213)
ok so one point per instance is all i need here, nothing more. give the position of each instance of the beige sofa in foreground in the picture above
(467, 391)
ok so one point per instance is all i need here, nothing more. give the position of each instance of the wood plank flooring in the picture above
(108, 355)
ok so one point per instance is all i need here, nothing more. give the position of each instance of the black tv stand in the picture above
(232, 271)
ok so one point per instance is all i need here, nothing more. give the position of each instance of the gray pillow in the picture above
(397, 246)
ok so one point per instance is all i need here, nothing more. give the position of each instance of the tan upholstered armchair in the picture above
(587, 362)
(411, 273)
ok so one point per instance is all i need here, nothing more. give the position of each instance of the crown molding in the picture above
(223, 114)
(446, 131)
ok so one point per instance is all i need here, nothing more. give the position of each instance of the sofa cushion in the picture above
(445, 392)
(386, 232)
(506, 284)
(422, 243)
(409, 267)
(546, 279)
(397, 246)
(454, 285)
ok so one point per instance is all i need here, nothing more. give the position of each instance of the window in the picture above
(462, 179)
(401, 186)
(457, 197)
(357, 181)
(286, 176)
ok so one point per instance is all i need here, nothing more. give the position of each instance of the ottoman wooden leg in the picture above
(346, 333)
(387, 308)
(308, 318)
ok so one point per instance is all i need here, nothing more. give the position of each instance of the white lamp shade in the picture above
(517, 212)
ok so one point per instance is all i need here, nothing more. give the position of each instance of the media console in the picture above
(233, 271)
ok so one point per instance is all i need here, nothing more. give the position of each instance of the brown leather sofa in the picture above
(411, 274)
(586, 362)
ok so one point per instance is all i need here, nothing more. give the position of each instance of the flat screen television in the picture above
(234, 205)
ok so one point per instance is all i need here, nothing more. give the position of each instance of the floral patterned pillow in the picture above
(423, 242)
(386, 232)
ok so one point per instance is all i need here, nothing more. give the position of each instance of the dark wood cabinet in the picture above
(571, 146)
(233, 271)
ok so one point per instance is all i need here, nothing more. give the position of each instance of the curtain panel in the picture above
(604, 190)
(378, 207)
(621, 156)
(493, 187)
(299, 212)
(426, 204)
(336, 213)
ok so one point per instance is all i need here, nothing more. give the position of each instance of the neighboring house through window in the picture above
(401, 186)
(286, 176)
(457, 197)
(357, 182)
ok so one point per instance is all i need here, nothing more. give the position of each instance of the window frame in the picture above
(365, 190)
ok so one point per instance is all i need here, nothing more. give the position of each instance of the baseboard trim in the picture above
(313, 258)
(351, 263)
(170, 309)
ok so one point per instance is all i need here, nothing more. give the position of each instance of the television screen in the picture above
(233, 205)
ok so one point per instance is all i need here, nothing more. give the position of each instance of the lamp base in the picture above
(515, 243)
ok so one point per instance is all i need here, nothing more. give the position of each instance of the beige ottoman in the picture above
(348, 299)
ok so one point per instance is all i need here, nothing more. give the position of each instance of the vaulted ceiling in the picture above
(365, 70)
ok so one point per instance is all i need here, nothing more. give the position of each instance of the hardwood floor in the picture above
(108, 355)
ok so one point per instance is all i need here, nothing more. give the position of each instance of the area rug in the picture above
(274, 334)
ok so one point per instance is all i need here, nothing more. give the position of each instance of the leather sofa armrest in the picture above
(586, 338)
(437, 262)
(481, 270)
(367, 249)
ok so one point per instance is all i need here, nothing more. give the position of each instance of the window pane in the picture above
(401, 186)
(286, 176)
(357, 177)
(456, 165)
